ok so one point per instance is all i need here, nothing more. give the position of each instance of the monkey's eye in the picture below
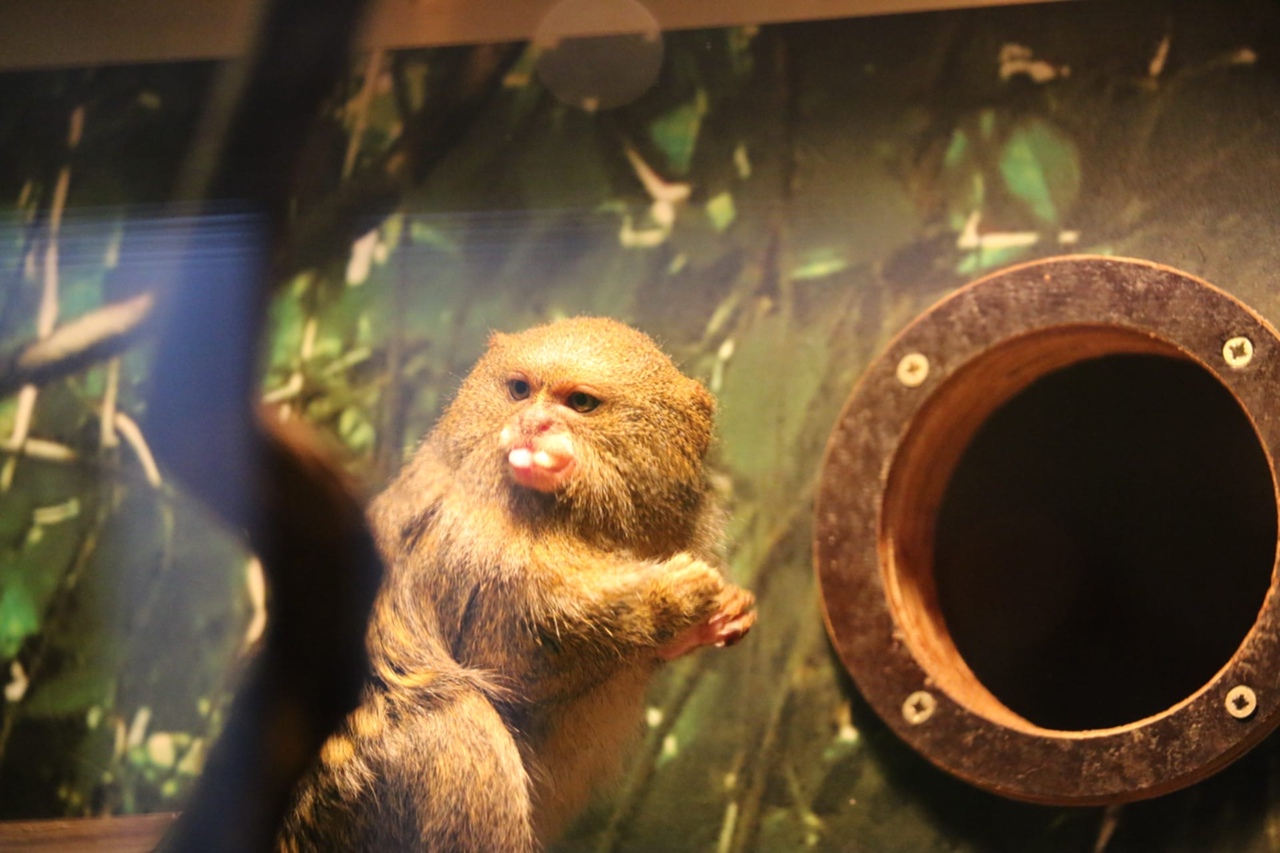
(518, 388)
(581, 401)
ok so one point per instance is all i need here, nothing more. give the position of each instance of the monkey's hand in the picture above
(588, 622)
(647, 610)
(730, 617)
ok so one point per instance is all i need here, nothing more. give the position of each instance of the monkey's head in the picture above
(586, 419)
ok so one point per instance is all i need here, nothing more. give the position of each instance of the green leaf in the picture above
(721, 211)
(985, 259)
(676, 133)
(355, 429)
(957, 149)
(425, 234)
(819, 264)
(287, 319)
(85, 682)
(18, 618)
(1040, 165)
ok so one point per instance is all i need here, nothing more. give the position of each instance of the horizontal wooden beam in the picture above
(68, 33)
(127, 834)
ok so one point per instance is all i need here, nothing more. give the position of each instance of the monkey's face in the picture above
(590, 414)
(538, 440)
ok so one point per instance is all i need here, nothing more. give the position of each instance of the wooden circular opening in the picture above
(1046, 531)
(1101, 544)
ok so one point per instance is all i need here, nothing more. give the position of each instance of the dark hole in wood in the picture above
(1106, 541)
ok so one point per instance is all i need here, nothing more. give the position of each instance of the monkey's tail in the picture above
(439, 678)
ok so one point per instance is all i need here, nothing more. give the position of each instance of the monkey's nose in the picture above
(536, 422)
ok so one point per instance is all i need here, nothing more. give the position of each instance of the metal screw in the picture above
(919, 707)
(1241, 702)
(1238, 351)
(913, 370)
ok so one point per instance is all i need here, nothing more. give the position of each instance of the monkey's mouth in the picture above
(544, 465)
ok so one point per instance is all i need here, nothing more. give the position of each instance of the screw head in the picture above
(1238, 351)
(919, 707)
(1241, 702)
(913, 370)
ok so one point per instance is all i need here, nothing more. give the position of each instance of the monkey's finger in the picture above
(732, 632)
(734, 602)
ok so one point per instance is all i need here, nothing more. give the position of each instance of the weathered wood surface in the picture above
(129, 834)
(1097, 733)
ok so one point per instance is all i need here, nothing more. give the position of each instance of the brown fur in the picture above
(518, 628)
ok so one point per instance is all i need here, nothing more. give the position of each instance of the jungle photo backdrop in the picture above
(773, 209)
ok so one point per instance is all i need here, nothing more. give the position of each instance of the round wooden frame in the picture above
(887, 464)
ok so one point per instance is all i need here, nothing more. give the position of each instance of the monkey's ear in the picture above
(704, 412)
(703, 399)
(497, 340)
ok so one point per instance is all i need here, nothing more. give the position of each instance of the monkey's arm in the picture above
(589, 618)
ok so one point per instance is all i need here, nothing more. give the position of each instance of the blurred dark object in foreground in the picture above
(301, 519)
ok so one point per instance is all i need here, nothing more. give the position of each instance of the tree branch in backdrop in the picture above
(463, 84)
(75, 345)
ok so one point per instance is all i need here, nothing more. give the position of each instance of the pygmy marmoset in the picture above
(552, 541)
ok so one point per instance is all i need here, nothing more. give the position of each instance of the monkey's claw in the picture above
(732, 619)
